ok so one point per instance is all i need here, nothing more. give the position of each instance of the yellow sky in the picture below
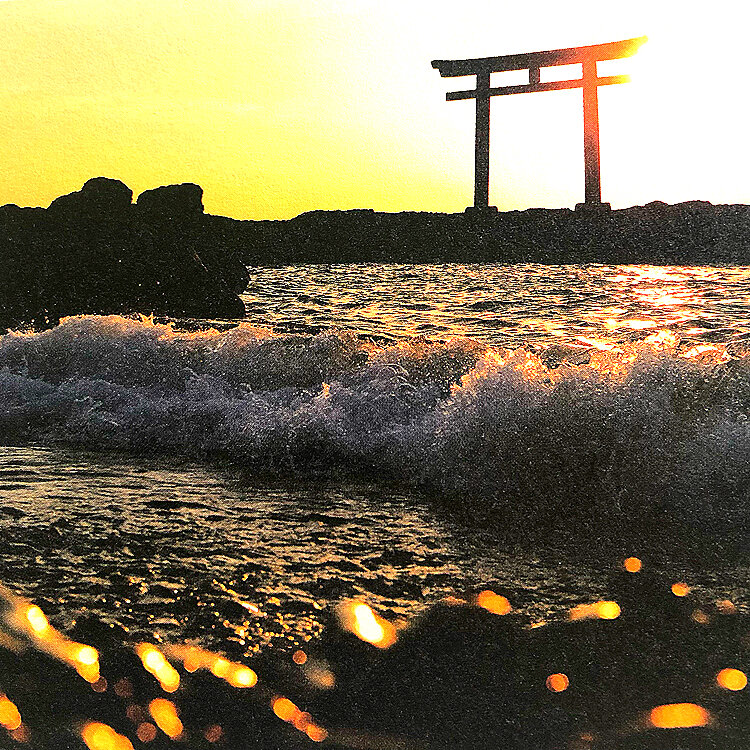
(281, 106)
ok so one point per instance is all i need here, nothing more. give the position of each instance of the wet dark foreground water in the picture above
(183, 551)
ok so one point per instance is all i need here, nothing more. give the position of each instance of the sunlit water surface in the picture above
(183, 550)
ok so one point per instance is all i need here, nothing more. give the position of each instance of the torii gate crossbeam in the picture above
(590, 81)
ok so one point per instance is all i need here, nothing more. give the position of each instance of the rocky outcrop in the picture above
(94, 251)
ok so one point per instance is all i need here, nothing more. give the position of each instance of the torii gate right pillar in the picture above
(592, 166)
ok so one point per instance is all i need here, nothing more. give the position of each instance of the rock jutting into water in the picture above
(650, 667)
(94, 251)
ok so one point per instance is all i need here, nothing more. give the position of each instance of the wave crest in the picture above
(637, 431)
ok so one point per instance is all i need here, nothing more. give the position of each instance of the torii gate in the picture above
(483, 67)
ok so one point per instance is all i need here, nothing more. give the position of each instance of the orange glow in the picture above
(316, 733)
(679, 716)
(242, 677)
(732, 679)
(165, 715)
(633, 565)
(284, 709)
(726, 607)
(299, 657)
(360, 619)
(680, 589)
(220, 667)
(37, 620)
(21, 734)
(146, 732)
(87, 655)
(494, 603)
(603, 610)
(557, 682)
(10, 718)
(98, 736)
(154, 662)
(213, 733)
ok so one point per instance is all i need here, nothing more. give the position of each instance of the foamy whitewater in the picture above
(552, 408)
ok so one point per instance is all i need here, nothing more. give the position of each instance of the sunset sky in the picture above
(281, 106)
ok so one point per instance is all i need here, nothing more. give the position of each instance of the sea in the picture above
(397, 434)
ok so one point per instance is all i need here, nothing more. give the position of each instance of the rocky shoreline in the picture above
(95, 251)
(650, 667)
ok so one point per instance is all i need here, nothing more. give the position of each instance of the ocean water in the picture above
(386, 432)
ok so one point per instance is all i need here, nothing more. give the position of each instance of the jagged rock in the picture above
(172, 202)
(98, 198)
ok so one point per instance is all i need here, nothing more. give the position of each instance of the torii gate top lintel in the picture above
(483, 67)
(548, 58)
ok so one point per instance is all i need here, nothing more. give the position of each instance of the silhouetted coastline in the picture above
(95, 251)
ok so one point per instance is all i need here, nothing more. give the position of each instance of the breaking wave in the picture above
(543, 437)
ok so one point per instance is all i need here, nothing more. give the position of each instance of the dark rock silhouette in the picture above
(93, 251)
(172, 202)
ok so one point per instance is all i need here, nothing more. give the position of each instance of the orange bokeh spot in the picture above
(284, 709)
(726, 607)
(680, 589)
(213, 733)
(316, 733)
(633, 565)
(732, 679)
(98, 736)
(10, 718)
(146, 732)
(493, 602)
(242, 677)
(679, 716)
(164, 713)
(299, 657)
(557, 682)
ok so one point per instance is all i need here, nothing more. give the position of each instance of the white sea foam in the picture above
(499, 433)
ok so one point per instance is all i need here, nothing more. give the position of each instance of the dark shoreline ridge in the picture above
(94, 251)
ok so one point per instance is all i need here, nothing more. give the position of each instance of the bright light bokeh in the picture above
(281, 106)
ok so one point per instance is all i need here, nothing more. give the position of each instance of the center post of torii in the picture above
(587, 57)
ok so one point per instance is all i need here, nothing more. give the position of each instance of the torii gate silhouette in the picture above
(483, 67)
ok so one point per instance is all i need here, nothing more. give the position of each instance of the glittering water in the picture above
(509, 305)
(135, 479)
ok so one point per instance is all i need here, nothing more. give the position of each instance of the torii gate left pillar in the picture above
(590, 81)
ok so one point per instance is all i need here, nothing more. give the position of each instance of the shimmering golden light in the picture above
(493, 602)
(633, 565)
(603, 610)
(98, 736)
(361, 620)
(299, 657)
(316, 733)
(146, 732)
(732, 679)
(164, 713)
(284, 708)
(155, 663)
(10, 717)
(242, 677)
(680, 589)
(220, 667)
(557, 682)
(679, 716)
(87, 655)
(37, 619)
